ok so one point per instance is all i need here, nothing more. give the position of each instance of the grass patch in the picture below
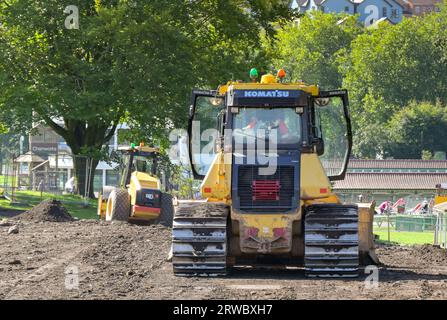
(402, 237)
(74, 204)
(8, 179)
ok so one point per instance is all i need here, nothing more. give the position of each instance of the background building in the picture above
(370, 11)
(56, 161)
(381, 180)
(421, 7)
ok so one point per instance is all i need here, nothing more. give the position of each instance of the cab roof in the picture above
(143, 149)
(268, 82)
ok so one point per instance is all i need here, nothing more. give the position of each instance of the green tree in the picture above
(133, 61)
(418, 130)
(389, 67)
(439, 36)
(397, 63)
(313, 50)
(427, 155)
(3, 128)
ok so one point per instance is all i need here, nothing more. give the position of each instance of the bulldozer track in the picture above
(331, 241)
(199, 235)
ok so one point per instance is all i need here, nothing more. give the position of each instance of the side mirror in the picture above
(322, 102)
(319, 146)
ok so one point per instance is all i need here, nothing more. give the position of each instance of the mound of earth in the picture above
(422, 256)
(48, 210)
(433, 254)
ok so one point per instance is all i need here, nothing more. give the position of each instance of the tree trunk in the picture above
(83, 174)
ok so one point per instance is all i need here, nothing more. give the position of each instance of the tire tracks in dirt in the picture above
(40, 274)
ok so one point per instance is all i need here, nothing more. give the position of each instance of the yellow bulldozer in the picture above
(139, 196)
(441, 194)
(267, 153)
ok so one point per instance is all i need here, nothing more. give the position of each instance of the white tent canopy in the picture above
(102, 165)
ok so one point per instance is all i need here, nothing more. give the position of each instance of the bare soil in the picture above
(128, 261)
(5, 213)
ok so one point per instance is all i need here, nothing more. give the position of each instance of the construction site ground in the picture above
(129, 261)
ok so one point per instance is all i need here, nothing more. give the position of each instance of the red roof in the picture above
(388, 165)
(423, 2)
(391, 181)
(398, 164)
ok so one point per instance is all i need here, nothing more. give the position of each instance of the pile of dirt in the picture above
(422, 256)
(48, 210)
(432, 254)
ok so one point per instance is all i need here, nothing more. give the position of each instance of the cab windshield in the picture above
(139, 163)
(280, 124)
(143, 164)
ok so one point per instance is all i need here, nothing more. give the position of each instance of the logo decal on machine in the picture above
(267, 94)
(149, 196)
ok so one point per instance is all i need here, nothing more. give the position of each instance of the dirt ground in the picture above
(127, 261)
(9, 213)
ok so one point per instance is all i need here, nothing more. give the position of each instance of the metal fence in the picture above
(54, 175)
(441, 230)
(29, 177)
(26, 181)
(409, 229)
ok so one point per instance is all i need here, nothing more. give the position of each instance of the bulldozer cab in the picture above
(287, 120)
(138, 159)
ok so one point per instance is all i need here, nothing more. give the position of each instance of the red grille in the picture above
(265, 190)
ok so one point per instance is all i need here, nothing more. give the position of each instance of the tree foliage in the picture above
(389, 68)
(313, 49)
(133, 61)
(418, 127)
(391, 72)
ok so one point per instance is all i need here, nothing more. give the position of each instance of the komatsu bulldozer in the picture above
(139, 196)
(441, 194)
(267, 153)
